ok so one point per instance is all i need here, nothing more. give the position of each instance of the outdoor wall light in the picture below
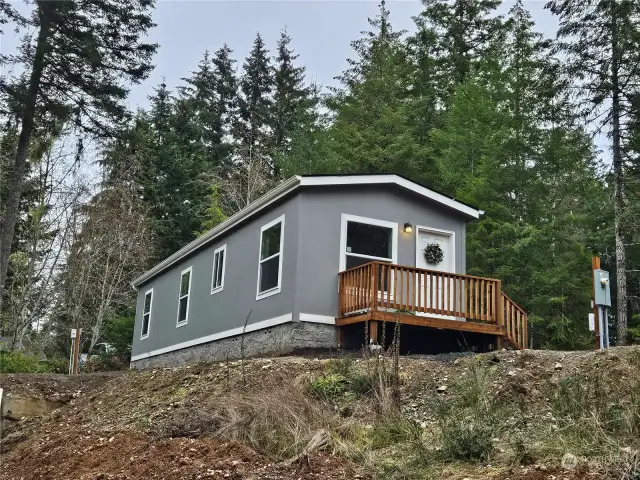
(408, 228)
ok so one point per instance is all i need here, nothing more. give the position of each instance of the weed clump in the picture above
(329, 386)
(468, 421)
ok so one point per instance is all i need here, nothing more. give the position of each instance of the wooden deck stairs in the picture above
(379, 291)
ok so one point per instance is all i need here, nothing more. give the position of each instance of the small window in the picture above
(270, 262)
(146, 314)
(217, 277)
(183, 300)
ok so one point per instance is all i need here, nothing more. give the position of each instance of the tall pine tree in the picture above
(293, 100)
(600, 41)
(78, 62)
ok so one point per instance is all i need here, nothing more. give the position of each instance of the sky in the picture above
(321, 31)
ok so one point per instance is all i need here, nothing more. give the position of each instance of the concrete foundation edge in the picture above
(278, 340)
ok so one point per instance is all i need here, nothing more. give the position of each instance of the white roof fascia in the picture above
(391, 179)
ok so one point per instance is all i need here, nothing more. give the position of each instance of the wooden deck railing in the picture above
(383, 286)
(515, 321)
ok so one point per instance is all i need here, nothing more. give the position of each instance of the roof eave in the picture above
(393, 179)
(268, 198)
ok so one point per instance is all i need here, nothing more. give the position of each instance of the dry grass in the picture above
(409, 430)
(278, 420)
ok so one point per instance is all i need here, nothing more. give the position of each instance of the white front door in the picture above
(445, 240)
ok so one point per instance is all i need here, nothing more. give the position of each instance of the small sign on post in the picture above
(75, 350)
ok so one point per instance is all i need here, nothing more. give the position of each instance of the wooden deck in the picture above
(380, 291)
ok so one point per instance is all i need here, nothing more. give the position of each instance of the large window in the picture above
(365, 240)
(183, 297)
(217, 277)
(146, 314)
(270, 261)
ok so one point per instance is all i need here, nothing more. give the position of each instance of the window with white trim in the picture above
(367, 240)
(270, 260)
(146, 314)
(183, 296)
(219, 262)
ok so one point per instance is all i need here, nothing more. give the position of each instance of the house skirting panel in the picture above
(280, 339)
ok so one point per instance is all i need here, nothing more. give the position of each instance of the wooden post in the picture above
(76, 351)
(374, 288)
(373, 331)
(595, 265)
(499, 314)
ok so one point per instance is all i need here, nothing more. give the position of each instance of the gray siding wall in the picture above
(228, 309)
(320, 222)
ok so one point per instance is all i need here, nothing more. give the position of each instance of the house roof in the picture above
(289, 186)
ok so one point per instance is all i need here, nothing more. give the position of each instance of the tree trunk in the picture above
(618, 177)
(18, 169)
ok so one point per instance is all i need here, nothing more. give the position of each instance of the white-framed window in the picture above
(270, 258)
(146, 314)
(183, 296)
(364, 240)
(219, 263)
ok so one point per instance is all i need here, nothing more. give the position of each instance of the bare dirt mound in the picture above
(133, 456)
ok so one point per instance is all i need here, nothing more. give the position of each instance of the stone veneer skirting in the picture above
(277, 340)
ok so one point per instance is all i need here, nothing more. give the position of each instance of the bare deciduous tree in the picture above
(110, 244)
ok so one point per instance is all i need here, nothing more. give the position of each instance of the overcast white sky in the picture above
(321, 32)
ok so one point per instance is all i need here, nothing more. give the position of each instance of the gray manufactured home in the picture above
(306, 264)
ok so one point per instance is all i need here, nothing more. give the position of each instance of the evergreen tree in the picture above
(370, 133)
(600, 41)
(253, 129)
(509, 143)
(226, 88)
(80, 58)
(457, 34)
(292, 99)
(211, 96)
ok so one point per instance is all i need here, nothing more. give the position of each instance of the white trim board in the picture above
(251, 327)
(144, 301)
(217, 251)
(289, 186)
(346, 218)
(451, 233)
(278, 288)
(313, 318)
(452, 242)
(390, 179)
(180, 297)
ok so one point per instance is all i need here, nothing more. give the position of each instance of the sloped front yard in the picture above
(533, 415)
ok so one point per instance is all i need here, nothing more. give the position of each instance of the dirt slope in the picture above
(237, 421)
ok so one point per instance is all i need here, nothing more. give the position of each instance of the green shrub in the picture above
(328, 386)
(571, 399)
(341, 366)
(56, 365)
(18, 362)
(118, 333)
(465, 439)
(392, 430)
(361, 383)
(468, 420)
(104, 363)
